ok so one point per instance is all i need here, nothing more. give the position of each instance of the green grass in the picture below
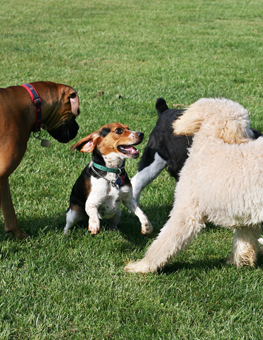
(55, 287)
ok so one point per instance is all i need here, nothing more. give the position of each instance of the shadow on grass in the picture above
(36, 227)
(129, 225)
(158, 215)
(205, 264)
(130, 230)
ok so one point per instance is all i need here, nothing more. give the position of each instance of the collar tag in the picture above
(120, 180)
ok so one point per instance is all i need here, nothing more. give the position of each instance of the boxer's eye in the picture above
(119, 131)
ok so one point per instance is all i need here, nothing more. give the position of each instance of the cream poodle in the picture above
(221, 182)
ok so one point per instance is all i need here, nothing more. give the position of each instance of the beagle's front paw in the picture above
(94, 227)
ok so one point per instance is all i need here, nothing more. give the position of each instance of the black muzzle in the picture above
(65, 132)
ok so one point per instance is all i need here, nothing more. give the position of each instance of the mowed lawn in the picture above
(121, 56)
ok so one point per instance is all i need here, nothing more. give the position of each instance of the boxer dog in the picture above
(20, 115)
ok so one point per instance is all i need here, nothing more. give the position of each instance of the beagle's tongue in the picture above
(130, 149)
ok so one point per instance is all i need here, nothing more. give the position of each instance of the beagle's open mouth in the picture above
(129, 150)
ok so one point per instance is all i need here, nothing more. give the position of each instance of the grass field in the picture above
(120, 56)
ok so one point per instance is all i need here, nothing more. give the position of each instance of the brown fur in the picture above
(109, 143)
(17, 116)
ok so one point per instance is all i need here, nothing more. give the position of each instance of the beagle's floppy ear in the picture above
(189, 123)
(87, 144)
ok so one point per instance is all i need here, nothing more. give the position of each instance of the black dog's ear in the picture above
(161, 106)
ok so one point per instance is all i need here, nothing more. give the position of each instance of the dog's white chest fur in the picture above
(107, 197)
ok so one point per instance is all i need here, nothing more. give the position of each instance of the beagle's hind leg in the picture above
(74, 215)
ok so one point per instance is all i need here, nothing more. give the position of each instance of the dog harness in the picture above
(120, 180)
(37, 103)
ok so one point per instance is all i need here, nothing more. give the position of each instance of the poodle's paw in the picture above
(138, 267)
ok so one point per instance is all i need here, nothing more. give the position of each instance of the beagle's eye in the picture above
(119, 131)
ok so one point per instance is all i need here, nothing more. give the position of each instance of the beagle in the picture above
(104, 184)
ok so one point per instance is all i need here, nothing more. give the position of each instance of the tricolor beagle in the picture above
(104, 184)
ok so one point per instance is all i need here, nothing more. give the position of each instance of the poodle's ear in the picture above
(87, 144)
(189, 123)
(232, 133)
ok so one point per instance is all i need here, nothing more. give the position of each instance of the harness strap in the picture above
(37, 103)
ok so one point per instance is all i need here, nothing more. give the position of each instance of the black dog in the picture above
(164, 149)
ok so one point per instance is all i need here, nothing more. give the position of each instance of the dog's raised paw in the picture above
(147, 230)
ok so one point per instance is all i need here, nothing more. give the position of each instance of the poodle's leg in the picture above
(177, 233)
(147, 174)
(245, 246)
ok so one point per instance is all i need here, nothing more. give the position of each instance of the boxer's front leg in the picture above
(11, 225)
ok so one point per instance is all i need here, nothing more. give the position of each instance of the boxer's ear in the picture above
(87, 144)
(74, 102)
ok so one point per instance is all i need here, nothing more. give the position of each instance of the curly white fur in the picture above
(221, 182)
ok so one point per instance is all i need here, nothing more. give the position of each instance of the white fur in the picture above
(72, 218)
(221, 182)
(104, 200)
(104, 203)
(147, 175)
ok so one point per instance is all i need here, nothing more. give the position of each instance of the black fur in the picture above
(104, 132)
(172, 149)
(65, 132)
(79, 191)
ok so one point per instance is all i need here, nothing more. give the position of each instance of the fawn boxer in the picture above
(25, 109)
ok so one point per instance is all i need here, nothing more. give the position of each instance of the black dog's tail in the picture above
(161, 106)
